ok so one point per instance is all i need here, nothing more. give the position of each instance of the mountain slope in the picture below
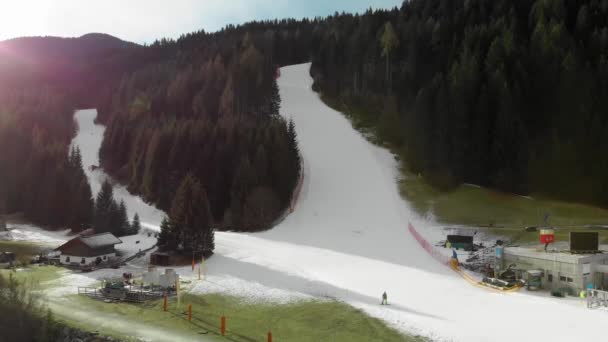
(348, 240)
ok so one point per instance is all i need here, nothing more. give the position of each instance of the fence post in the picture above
(190, 312)
(165, 304)
(269, 336)
(223, 325)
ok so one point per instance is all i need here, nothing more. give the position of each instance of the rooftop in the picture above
(553, 255)
(100, 240)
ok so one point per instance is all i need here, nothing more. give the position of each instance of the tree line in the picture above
(111, 215)
(506, 94)
(208, 114)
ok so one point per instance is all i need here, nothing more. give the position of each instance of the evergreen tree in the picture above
(190, 218)
(124, 228)
(390, 42)
(167, 238)
(136, 225)
(104, 208)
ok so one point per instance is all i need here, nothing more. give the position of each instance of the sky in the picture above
(143, 21)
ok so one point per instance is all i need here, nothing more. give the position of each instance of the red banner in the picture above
(432, 250)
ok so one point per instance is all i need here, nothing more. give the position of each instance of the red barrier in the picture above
(296, 192)
(434, 252)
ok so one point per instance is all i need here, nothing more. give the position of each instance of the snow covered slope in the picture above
(89, 138)
(348, 240)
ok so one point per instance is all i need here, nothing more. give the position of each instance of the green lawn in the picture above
(34, 274)
(312, 320)
(301, 321)
(21, 248)
(508, 213)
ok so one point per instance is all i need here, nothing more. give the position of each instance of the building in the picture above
(86, 250)
(7, 259)
(154, 278)
(560, 269)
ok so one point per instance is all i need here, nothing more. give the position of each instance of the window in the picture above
(67, 259)
(586, 269)
(569, 279)
(562, 278)
(550, 278)
(83, 261)
(105, 257)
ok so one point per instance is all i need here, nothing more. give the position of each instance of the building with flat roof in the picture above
(561, 269)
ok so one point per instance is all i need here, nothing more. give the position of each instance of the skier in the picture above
(384, 299)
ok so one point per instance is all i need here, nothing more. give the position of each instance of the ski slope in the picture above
(348, 240)
(88, 139)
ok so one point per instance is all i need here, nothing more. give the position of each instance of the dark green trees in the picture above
(189, 228)
(110, 216)
(135, 225)
(505, 94)
(212, 113)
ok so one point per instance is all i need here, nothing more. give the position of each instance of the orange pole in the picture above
(165, 304)
(190, 312)
(269, 336)
(223, 327)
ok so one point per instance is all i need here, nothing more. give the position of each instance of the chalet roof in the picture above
(101, 240)
(90, 245)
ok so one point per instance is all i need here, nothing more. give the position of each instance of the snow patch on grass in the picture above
(248, 291)
(30, 233)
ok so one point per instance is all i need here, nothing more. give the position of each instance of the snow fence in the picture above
(432, 250)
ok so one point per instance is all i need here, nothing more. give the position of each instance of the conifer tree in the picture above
(124, 227)
(389, 41)
(103, 208)
(190, 218)
(167, 239)
(136, 225)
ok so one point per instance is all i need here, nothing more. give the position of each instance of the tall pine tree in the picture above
(190, 218)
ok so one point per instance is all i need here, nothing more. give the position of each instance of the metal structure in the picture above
(597, 298)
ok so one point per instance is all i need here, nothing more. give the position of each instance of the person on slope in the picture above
(384, 299)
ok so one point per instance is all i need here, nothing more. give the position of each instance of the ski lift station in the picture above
(583, 266)
(560, 269)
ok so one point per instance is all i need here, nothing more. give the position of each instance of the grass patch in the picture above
(301, 321)
(34, 274)
(508, 213)
(22, 248)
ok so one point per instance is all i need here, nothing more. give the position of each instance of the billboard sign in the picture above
(584, 241)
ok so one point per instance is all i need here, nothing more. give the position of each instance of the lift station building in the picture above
(561, 269)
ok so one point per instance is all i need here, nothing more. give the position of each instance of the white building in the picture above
(87, 250)
(561, 269)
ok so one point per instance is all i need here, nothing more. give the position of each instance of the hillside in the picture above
(507, 95)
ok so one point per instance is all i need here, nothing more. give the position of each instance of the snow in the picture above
(348, 241)
(30, 233)
(132, 244)
(88, 139)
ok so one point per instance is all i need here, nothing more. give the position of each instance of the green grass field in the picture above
(246, 321)
(21, 248)
(507, 213)
(301, 321)
(34, 274)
